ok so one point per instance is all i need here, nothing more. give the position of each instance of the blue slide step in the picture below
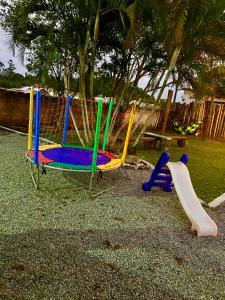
(157, 178)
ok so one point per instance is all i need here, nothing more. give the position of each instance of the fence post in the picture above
(209, 118)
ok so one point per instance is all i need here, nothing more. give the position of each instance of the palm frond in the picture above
(11, 43)
(198, 11)
(212, 45)
(21, 53)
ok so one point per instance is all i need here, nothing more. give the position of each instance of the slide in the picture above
(167, 175)
(200, 220)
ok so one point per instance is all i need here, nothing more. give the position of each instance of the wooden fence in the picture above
(217, 121)
(188, 114)
(14, 111)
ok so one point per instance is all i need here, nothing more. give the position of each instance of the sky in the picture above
(6, 54)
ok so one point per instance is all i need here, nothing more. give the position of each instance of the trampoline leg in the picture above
(91, 182)
(32, 172)
(100, 174)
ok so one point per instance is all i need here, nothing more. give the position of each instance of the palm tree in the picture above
(71, 28)
(192, 32)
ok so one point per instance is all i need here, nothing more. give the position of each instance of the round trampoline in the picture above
(56, 120)
(74, 158)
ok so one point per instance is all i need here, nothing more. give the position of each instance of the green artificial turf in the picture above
(206, 165)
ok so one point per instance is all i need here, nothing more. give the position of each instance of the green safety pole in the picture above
(96, 137)
(105, 139)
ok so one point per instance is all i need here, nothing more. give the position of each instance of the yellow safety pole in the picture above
(131, 120)
(30, 126)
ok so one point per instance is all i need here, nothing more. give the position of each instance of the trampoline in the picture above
(52, 128)
(74, 158)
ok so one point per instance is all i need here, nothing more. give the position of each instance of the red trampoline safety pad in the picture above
(41, 157)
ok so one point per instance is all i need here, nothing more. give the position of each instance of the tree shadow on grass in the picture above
(101, 264)
(55, 264)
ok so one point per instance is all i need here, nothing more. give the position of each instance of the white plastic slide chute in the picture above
(200, 220)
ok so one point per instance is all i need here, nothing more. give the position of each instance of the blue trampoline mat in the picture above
(74, 156)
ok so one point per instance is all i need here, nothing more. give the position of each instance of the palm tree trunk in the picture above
(151, 81)
(76, 127)
(93, 54)
(129, 76)
(147, 122)
(158, 82)
(115, 113)
(167, 111)
(82, 73)
(172, 64)
(87, 40)
(114, 139)
(82, 91)
(141, 114)
(66, 76)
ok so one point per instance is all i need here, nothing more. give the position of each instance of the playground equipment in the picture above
(167, 175)
(67, 135)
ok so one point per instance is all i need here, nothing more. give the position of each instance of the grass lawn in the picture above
(206, 165)
(58, 243)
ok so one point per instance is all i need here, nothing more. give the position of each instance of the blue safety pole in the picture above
(37, 126)
(66, 120)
